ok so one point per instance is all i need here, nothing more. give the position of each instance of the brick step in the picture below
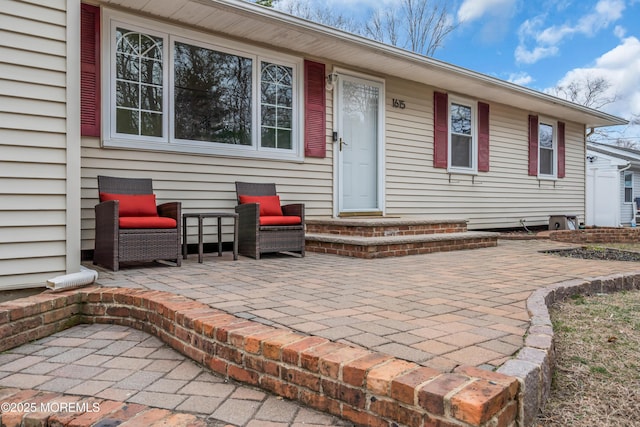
(384, 226)
(398, 245)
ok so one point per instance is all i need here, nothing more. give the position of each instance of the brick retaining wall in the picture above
(597, 235)
(359, 385)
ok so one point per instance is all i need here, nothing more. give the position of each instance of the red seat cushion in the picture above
(133, 204)
(269, 205)
(146, 222)
(280, 220)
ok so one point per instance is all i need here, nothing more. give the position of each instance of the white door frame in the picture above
(337, 187)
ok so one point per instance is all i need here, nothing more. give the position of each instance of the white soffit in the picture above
(268, 27)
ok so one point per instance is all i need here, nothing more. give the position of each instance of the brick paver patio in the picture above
(440, 310)
(119, 364)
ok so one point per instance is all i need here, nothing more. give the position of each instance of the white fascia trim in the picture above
(384, 49)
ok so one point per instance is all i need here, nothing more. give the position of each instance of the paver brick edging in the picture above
(597, 235)
(534, 363)
(362, 386)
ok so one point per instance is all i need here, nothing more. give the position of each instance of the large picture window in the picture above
(212, 95)
(198, 94)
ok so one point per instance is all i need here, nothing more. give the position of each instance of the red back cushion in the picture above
(133, 204)
(269, 205)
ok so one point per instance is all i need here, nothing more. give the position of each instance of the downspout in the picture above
(625, 168)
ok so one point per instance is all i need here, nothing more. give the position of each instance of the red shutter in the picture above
(483, 137)
(440, 129)
(315, 129)
(89, 70)
(533, 145)
(561, 150)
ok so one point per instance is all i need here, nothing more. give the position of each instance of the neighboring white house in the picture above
(613, 184)
(197, 94)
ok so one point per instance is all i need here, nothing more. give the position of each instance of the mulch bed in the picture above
(606, 254)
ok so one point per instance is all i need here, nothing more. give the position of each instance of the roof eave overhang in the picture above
(241, 19)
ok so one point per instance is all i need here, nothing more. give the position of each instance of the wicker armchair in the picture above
(128, 229)
(281, 231)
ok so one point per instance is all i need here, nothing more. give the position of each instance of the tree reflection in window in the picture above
(545, 133)
(138, 83)
(212, 95)
(276, 99)
(461, 138)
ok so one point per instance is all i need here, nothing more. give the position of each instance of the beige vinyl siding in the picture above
(203, 183)
(32, 142)
(413, 187)
(495, 199)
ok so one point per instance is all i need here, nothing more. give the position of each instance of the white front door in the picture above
(359, 154)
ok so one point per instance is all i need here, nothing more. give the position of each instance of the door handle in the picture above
(342, 143)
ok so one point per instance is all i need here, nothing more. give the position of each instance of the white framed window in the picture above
(628, 187)
(463, 145)
(172, 89)
(547, 149)
(138, 75)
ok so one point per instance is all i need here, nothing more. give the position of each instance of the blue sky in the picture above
(540, 44)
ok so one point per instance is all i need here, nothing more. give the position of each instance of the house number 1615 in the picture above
(398, 103)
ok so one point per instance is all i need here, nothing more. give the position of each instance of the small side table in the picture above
(201, 217)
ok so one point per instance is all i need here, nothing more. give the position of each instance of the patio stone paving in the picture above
(180, 385)
(440, 310)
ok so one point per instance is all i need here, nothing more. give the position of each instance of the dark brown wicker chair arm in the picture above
(295, 209)
(107, 234)
(107, 214)
(171, 210)
(249, 215)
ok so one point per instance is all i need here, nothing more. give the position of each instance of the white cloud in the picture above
(621, 68)
(471, 10)
(546, 40)
(619, 31)
(525, 56)
(521, 78)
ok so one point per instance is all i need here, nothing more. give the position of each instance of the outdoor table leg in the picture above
(200, 244)
(219, 236)
(235, 237)
(184, 237)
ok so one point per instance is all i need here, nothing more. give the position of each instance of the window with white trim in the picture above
(139, 83)
(547, 148)
(463, 147)
(628, 187)
(198, 94)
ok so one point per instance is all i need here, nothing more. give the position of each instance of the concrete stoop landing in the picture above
(377, 237)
